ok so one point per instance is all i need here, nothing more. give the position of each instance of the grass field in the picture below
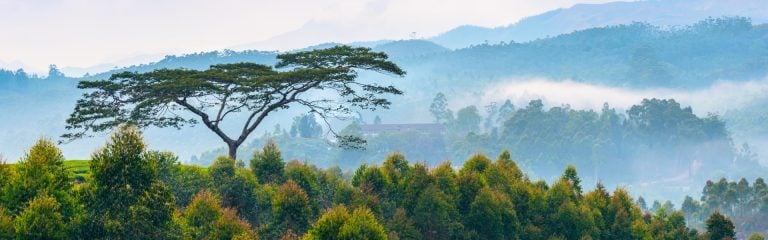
(80, 168)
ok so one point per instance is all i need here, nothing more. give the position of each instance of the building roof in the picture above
(423, 127)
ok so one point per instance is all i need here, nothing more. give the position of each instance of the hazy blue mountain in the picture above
(584, 16)
(201, 60)
(633, 55)
(410, 48)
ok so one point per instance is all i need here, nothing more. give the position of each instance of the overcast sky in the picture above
(84, 33)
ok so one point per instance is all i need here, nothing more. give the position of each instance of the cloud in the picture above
(717, 98)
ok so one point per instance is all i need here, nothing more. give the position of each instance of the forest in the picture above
(131, 192)
(478, 170)
(655, 139)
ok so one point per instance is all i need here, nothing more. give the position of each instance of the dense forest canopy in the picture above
(134, 193)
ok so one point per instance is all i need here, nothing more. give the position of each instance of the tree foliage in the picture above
(155, 98)
(126, 198)
(131, 195)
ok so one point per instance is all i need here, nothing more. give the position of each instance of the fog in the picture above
(717, 98)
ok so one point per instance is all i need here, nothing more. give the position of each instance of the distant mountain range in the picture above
(584, 16)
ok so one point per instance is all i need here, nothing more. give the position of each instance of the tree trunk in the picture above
(232, 150)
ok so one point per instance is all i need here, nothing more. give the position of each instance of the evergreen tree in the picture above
(41, 170)
(492, 216)
(238, 189)
(402, 226)
(292, 209)
(361, 225)
(572, 177)
(329, 225)
(435, 215)
(439, 109)
(41, 219)
(268, 165)
(720, 227)
(125, 198)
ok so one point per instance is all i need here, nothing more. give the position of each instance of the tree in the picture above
(434, 214)
(338, 223)
(200, 214)
(210, 96)
(362, 225)
(756, 236)
(306, 126)
(468, 120)
(267, 164)
(41, 219)
(237, 188)
(125, 197)
(571, 176)
(328, 226)
(40, 170)
(402, 226)
(291, 208)
(719, 227)
(492, 216)
(53, 72)
(644, 206)
(439, 109)
(7, 230)
(506, 111)
(207, 220)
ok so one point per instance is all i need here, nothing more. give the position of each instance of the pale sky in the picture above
(84, 33)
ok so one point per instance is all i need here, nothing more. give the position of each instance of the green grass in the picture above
(80, 168)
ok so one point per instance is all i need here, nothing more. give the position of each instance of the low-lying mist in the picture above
(717, 98)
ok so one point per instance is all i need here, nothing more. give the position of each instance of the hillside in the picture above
(584, 16)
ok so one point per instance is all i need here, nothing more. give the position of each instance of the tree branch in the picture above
(205, 119)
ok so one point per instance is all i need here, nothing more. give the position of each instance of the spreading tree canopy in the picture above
(157, 98)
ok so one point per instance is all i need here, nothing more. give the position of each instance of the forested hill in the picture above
(637, 55)
(585, 16)
(200, 60)
(634, 55)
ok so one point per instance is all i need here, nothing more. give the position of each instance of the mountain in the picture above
(410, 48)
(635, 55)
(584, 16)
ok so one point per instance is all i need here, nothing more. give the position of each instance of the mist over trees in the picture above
(655, 140)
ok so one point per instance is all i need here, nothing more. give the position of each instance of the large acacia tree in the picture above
(325, 81)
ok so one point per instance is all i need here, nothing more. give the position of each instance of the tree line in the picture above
(135, 193)
(745, 203)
